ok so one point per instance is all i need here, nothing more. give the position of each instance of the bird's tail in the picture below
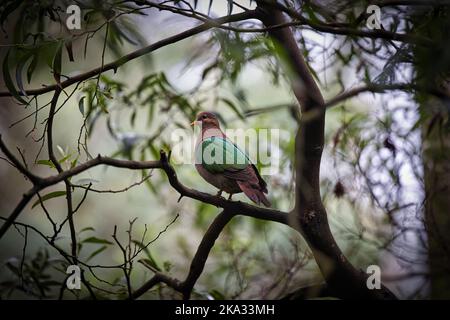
(254, 193)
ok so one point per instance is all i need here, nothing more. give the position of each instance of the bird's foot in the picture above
(229, 198)
(219, 194)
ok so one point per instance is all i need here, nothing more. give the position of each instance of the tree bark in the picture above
(436, 160)
(343, 280)
(432, 67)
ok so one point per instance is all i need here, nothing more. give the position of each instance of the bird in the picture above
(221, 163)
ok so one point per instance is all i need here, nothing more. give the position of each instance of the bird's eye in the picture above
(204, 116)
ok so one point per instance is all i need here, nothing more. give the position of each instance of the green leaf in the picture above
(73, 163)
(48, 196)
(61, 150)
(150, 260)
(217, 295)
(96, 240)
(96, 252)
(81, 105)
(56, 64)
(64, 159)
(69, 49)
(167, 266)
(46, 163)
(87, 229)
(32, 66)
(151, 263)
(8, 81)
(125, 33)
(19, 68)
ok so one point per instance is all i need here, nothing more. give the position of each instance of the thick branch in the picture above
(238, 207)
(197, 264)
(199, 260)
(342, 278)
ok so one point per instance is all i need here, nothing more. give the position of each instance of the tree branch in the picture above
(27, 173)
(136, 54)
(58, 167)
(344, 30)
(197, 264)
(343, 279)
(17, 210)
(380, 88)
(234, 206)
(199, 260)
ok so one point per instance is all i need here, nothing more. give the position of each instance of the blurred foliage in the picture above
(34, 277)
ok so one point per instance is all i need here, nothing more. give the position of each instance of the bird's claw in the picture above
(219, 194)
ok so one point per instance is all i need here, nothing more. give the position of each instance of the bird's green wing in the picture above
(218, 155)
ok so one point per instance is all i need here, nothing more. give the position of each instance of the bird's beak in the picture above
(193, 123)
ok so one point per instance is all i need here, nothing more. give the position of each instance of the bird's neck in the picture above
(211, 131)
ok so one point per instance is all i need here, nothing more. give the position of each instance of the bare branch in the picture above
(380, 88)
(33, 178)
(197, 264)
(199, 260)
(234, 206)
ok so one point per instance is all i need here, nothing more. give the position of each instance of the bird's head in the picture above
(206, 120)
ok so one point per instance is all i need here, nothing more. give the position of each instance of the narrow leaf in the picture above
(8, 81)
(96, 252)
(19, 69)
(69, 49)
(46, 163)
(151, 261)
(32, 66)
(96, 240)
(87, 229)
(61, 150)
(56, 64)
(81, 105)
(51, 195)
(62, 160)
